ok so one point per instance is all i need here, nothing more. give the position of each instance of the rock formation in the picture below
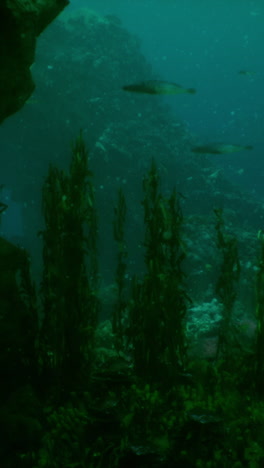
(21, 21)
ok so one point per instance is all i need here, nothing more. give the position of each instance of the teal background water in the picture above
(204, 44)
(195, 43)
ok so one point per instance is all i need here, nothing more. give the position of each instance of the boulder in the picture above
(21, 21)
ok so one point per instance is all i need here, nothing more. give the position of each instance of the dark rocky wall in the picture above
(21, 21)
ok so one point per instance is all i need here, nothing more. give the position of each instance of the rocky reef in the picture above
(143, 344)
(21, 21)
(82, 62)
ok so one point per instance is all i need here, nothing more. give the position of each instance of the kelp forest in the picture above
(81, 392)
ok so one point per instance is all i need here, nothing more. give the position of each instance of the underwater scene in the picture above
(132, 237)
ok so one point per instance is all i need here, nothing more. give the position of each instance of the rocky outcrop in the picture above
(21, 21)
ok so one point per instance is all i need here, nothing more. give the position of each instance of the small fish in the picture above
(3, 207)
(214, 174)
(32, 101)
(157, 87)
(246, 72)
(240, 171)
(220, 148)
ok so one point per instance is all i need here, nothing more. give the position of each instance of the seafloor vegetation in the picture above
(143, 388)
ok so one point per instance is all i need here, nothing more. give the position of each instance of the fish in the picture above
(157, 87)
(220, 148)
(3, 207)
(32, 101)
(246, 72)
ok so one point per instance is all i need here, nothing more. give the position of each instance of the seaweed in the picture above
(227, 281)
(121, 305)
(70, 271)
(65, 405)
(159, 300)
(259, 356)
